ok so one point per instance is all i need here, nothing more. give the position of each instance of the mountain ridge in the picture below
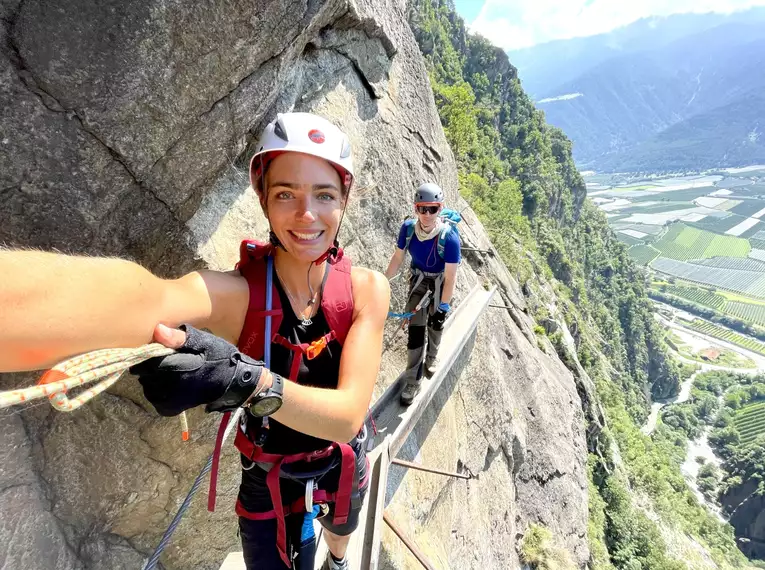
(625, 102)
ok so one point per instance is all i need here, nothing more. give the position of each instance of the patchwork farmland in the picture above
(701, 237)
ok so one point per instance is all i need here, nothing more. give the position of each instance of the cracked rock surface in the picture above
(124, 131)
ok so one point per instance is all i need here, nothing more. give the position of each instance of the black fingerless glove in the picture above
(205, 370)
(437, 320)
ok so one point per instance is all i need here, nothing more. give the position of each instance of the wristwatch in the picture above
(268, 401)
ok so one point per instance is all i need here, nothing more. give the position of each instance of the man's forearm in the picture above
(450, 278)
(53, 306)
(394, 265)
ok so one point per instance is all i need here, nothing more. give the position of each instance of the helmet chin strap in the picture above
(274, 240)
(330, 254)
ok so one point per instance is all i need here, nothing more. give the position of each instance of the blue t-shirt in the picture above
(425, 253)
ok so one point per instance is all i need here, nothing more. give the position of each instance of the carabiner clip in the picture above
(315, 348)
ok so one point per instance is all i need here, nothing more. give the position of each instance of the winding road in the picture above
(699, 447)
(685, 389)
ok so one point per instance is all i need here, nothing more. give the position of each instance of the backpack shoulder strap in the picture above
(409, 231)
(444, 235)
(337, 298)
(252, 266)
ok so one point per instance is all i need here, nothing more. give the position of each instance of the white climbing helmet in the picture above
(306, 133)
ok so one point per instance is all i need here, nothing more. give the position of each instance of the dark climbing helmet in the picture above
(429, 193)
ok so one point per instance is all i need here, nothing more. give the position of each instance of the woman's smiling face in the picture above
(304, 203)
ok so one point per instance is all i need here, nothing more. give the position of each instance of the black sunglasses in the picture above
(427, 209)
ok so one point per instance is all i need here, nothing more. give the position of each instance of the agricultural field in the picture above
(749, 283)
(695, 294)
(675, 195)
(728, 335)
(657, 208)
(744, 308)
(628, 239)
(747, 311)
(683, 242)
(750, 422)
(646, 229)
(753, 230)
(729, 246)
(748, 208)
(758, 254)
(716, 224)
(739, 263)
(643, 254)
(707, 229)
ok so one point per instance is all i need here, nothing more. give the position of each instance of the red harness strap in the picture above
(311, 350)
(297, 506)
(342, 497)
(216, 460)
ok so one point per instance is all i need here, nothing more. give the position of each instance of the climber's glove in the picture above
(438, 318)
(205, 370)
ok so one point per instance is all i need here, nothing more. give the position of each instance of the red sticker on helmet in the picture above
(316, 136)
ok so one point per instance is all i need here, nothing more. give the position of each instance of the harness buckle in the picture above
(314, 349)
(261, 436)
(310, 485)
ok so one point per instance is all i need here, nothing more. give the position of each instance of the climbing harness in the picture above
(438, 280)
(264, 315)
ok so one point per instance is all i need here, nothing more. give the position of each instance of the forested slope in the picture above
(518, 174)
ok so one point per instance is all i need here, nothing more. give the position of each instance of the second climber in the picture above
(434, 246)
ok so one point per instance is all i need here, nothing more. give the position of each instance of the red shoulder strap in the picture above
(252, 266)
(252, 250)
(337, 300)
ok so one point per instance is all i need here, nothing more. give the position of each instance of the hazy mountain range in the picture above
(685, 92)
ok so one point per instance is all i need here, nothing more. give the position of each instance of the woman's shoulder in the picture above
(369, 286)
(453, 236)
(365, 280)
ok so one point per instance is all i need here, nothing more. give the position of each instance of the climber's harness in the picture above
(307, 468)
(418, 276)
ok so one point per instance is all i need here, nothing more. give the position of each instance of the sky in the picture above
(514, 24)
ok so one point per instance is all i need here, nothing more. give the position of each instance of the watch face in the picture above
(265, 406)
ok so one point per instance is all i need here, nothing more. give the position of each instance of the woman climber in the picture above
(327, 319)
(435, 249)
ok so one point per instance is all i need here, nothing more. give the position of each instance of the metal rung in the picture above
(411, 465)
(489, 251)
(408, 543)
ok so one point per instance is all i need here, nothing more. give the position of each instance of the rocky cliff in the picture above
(125, 125)
(745, 507)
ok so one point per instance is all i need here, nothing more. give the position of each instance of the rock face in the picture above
(746, 510)
(123, 132)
